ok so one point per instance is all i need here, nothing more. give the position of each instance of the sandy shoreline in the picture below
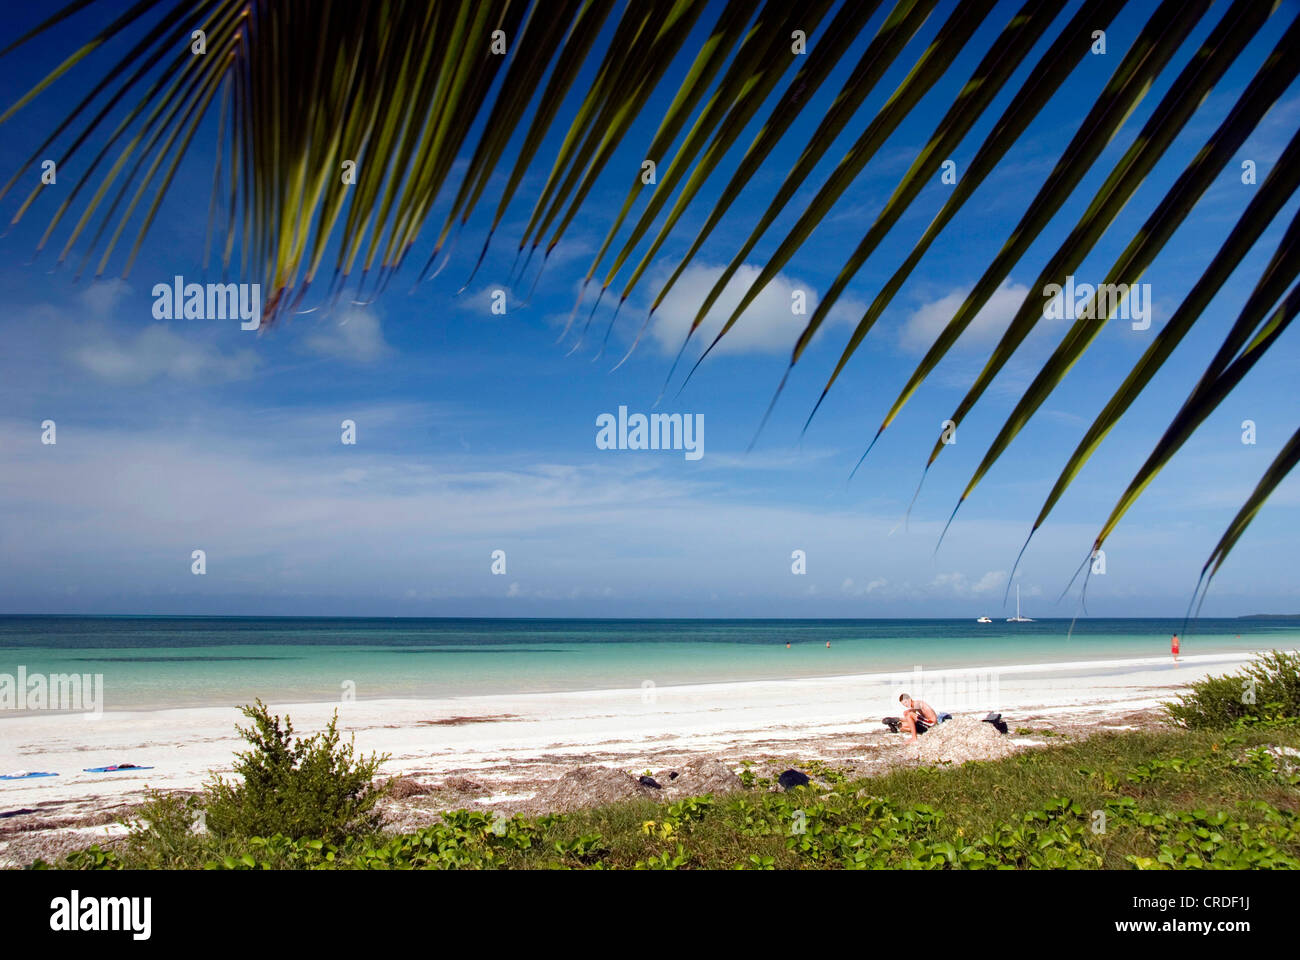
(510, 746)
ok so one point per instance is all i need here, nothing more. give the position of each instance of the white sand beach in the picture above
(512, 745)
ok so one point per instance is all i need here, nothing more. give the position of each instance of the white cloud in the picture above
(960, 585)
(354, 335)
(850, 589)
(767, 326)
(100, 299)
(479, 303)
(283, 509)
(357, 521)
(925, 323)
(156, 351)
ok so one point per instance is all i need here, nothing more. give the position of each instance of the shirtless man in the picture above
(918, 716)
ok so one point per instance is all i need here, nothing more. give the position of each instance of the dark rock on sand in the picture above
(793, 778)
(998, 723)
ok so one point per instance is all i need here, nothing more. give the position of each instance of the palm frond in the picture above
(418, 100)
(1218, 52)
(1152, 49)
(1277, 471)
(839, 37)
(1052, 69)
(1214, 386)
(1277, 189)
(927, 71)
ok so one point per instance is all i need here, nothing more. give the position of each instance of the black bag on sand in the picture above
(996, 719)
(648, 781)
(892, 723)
(793, 778)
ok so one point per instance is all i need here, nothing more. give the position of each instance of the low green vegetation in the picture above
(1039, 732)
(1216, 790)
(1266, 691)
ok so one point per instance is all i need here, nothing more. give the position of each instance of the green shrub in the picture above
(1266, 691)
(166, 831)
(300, 788)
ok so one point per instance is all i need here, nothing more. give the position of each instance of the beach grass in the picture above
(1170, 798)
(1163, 774)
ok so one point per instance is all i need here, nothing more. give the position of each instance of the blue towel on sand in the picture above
(114, 768)
(25, 776)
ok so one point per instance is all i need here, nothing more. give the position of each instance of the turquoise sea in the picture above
(154, 662)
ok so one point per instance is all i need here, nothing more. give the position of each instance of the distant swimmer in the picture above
(1173, 647)
(787, 644)
(828, 644)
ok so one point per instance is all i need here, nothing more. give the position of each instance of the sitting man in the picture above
(918, 716)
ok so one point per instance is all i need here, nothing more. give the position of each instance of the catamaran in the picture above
(1018, 618)
(983, 620)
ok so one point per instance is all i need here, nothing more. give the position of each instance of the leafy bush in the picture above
(167, 831)
(312, 788)
(1266, 691)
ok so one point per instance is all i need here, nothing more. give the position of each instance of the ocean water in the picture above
(156, 662)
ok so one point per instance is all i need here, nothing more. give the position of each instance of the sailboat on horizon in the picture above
(1018, 618)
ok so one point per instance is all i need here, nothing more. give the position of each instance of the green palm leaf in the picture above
(1213, 387)
(740, 102)
(1221, 48)
(1004, 57)
(757, 66)
(945, 47)
(1280, 185)
(903, 22)
(840, 34)
(1277, 471)
(1052, 69)
(1153, 48)
(416, 97)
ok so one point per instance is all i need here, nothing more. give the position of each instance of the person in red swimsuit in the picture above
(1173, 647)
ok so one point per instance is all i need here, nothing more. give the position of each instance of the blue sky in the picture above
(476, 432)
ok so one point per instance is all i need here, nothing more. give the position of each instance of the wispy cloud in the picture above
(354, 335)
(768, 325)
(158, 351)
(364, 521)
(923, 326)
